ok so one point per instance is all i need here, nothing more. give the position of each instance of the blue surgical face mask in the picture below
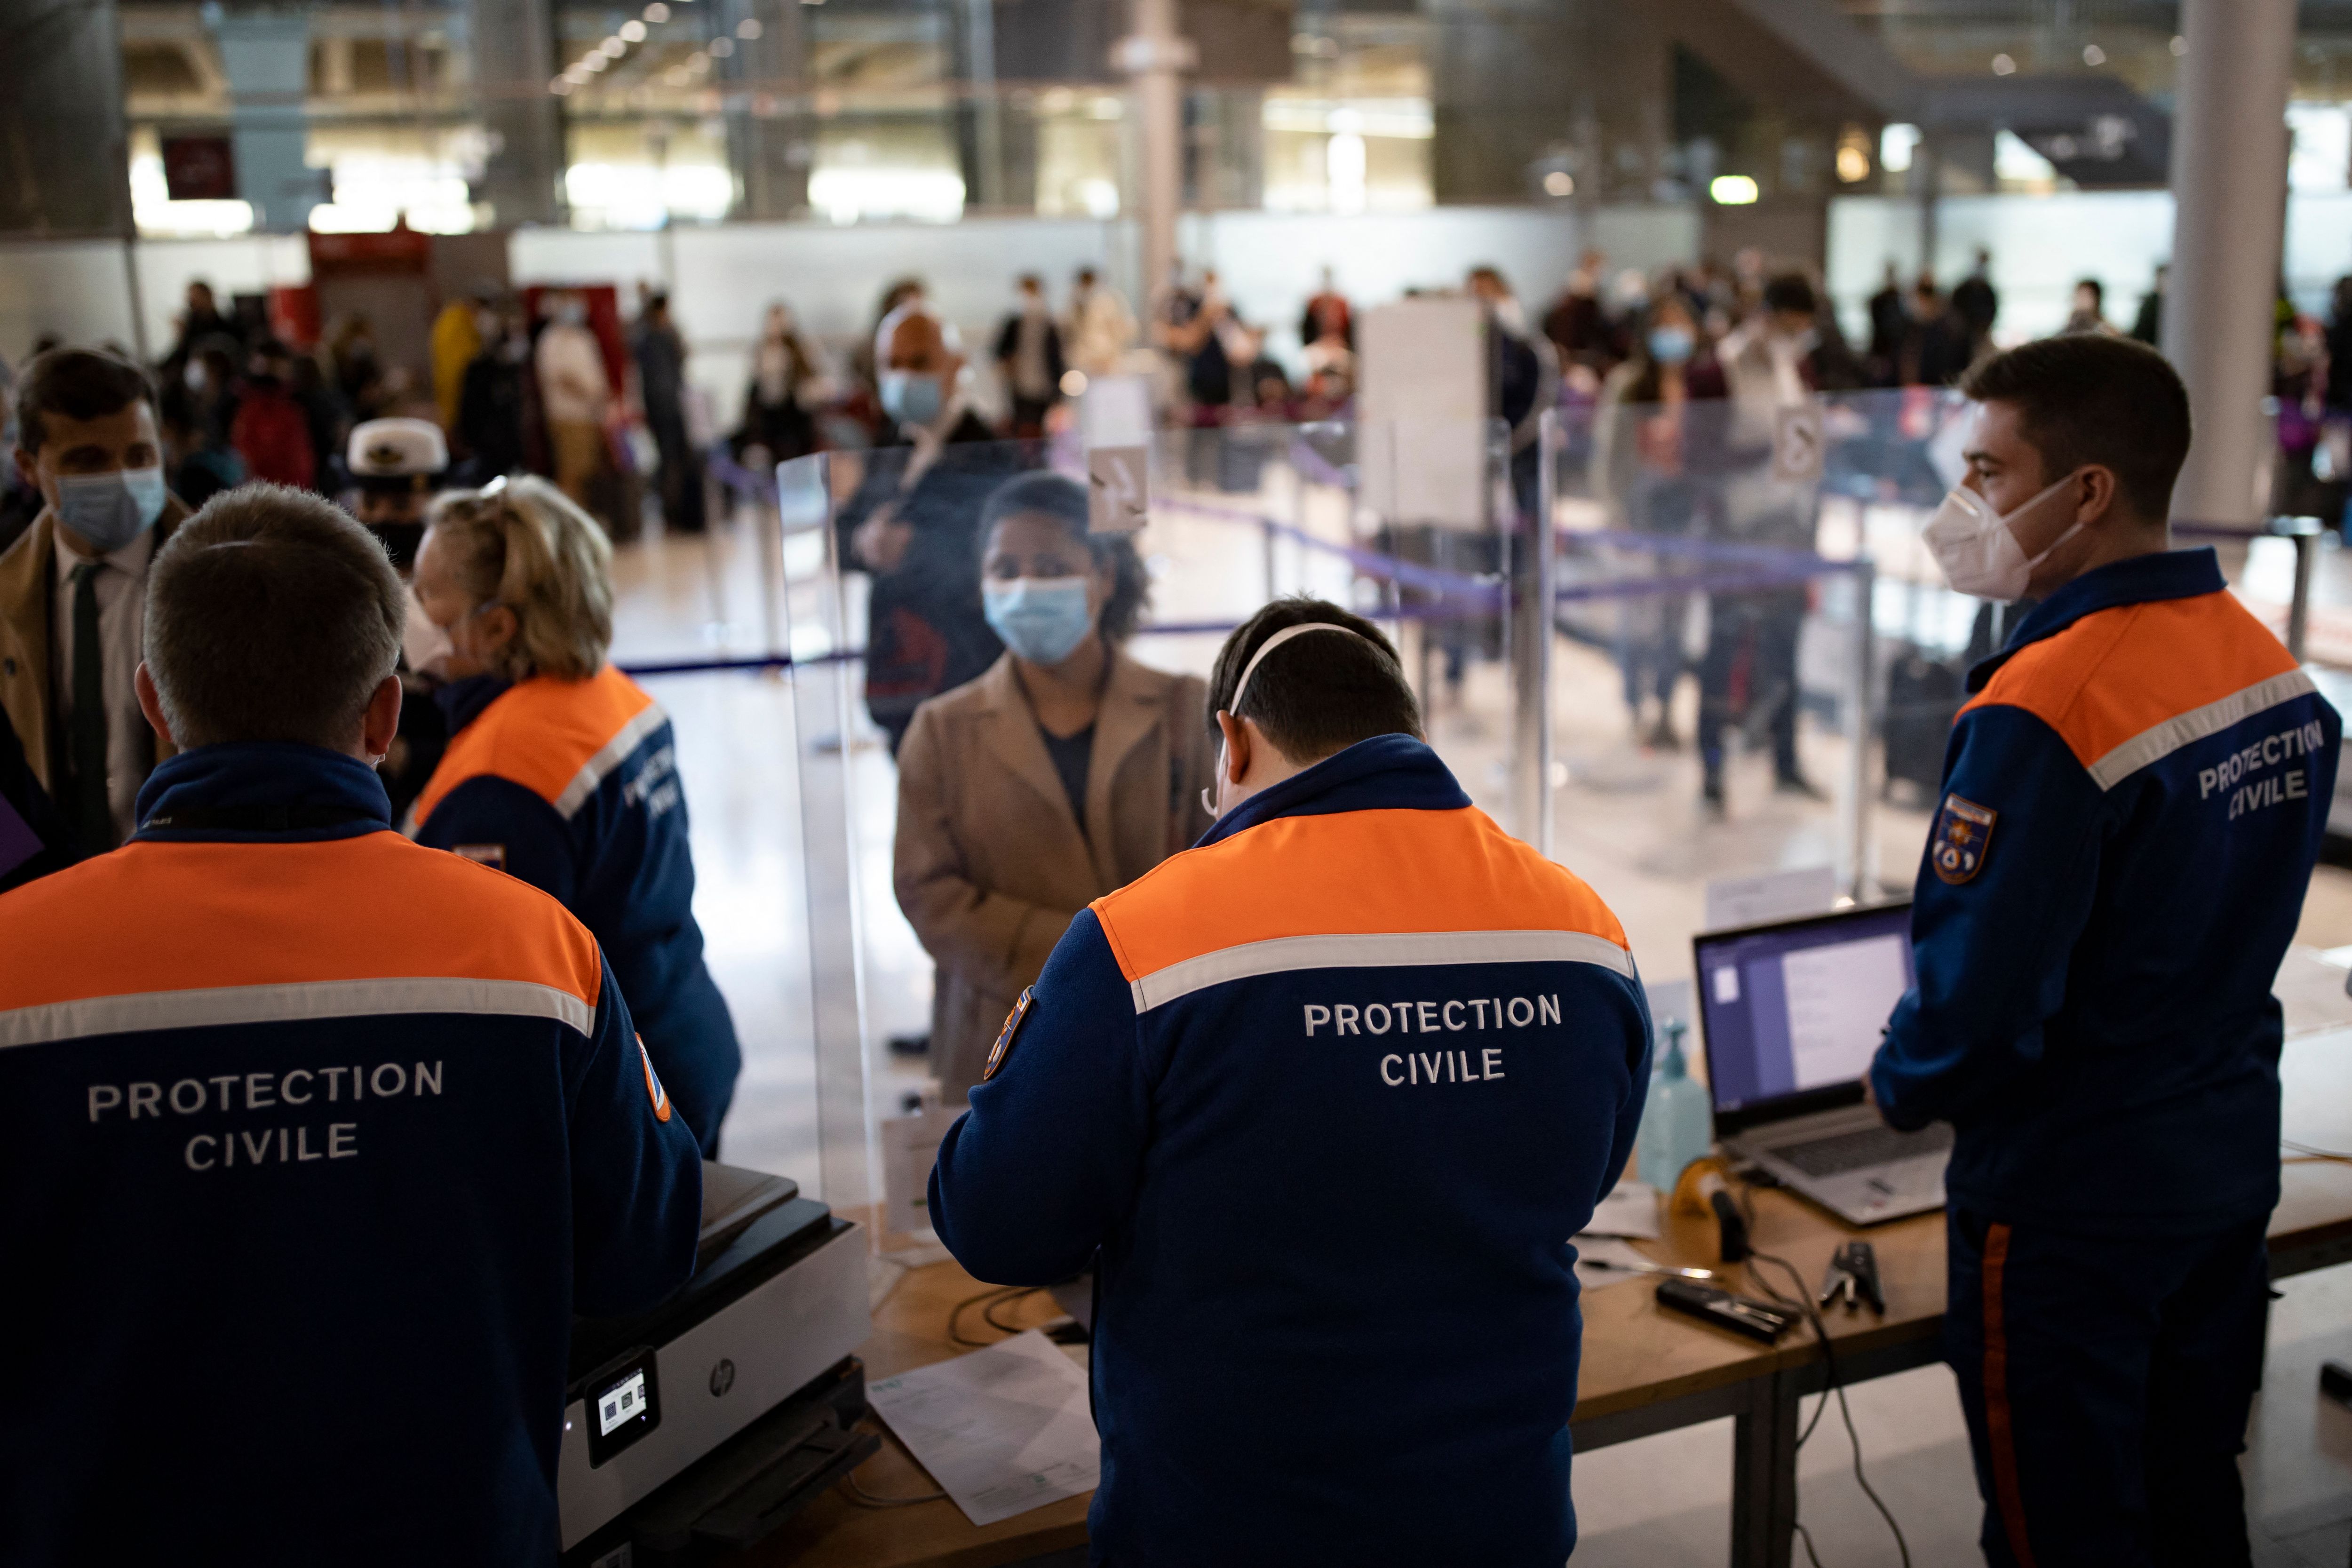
(1671, 345)
(911, 397)
(1043, 619)
(110, 511)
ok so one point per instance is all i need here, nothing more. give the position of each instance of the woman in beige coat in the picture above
(1064, 772)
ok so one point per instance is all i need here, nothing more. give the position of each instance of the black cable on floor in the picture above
(955, 1314)
(1804, 1303)
(865, 1499)
(988, 1312)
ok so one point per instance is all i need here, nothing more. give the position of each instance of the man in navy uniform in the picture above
(1325, 1097)
(2132, 802)
(295, 1203)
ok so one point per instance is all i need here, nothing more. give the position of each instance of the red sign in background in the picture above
(199, 168)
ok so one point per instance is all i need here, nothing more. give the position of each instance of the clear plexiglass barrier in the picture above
(1728, 656)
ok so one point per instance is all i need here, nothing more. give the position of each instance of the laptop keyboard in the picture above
(1869, 1146)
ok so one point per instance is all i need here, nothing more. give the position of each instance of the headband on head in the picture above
(1276, 641)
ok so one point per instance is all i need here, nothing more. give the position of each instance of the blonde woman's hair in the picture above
(523, 543)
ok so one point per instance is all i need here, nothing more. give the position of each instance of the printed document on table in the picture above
(1003, 1430)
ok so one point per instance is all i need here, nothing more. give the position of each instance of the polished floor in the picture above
(793, 798)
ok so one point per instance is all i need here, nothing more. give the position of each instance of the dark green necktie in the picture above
(92, 814)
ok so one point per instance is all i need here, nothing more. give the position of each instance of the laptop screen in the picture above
(1799, 1005)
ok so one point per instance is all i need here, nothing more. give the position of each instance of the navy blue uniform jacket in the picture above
(2132, 804)
(1329, 1092)
(573, 785)
(311, 1143)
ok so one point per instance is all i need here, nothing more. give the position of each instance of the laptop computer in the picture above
(1789, 1015)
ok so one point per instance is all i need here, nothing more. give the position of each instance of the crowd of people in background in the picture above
(1660, 373)
(556, 382)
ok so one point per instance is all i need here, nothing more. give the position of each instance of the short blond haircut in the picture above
(523, 543)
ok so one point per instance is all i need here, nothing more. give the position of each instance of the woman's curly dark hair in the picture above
(1064, 502)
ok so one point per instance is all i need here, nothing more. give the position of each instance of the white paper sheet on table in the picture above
(1591, 1250)
(1629, 1209)
(1003, 1430)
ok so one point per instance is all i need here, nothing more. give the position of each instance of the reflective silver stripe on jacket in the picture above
(303, 1000)
(611, 755)
(2154, 744)
(1382, 949)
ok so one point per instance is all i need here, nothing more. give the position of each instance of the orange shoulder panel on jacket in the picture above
(1346, 873)
(163, 916)
(541, 733)
(2120, 672)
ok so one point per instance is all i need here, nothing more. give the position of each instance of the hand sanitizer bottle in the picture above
(1677, 1123)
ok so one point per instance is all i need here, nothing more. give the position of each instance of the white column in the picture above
(1156, 57)
(2228, 190)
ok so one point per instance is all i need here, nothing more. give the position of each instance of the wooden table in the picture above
(911, 1330)
(1646, 1370)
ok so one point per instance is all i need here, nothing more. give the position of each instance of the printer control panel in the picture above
(624, 1405)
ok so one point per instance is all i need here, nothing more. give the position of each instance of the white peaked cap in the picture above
(395, 448)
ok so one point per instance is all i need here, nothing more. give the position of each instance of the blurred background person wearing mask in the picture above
(563, 772)
(457, 338)
(924, 397)
(359, 374)
(1327, 315)
(784, 370)
(1101, 327)
(576, 395)
(1935, 347)
(1770, 370)
(1646, 438)
(1890, 319)
(272, 431)
(2090, 309)
(197, 465)
(496, 403)
(868, 355)
(72, 590)
(323, 414)
(1578, 323)
(911, 523)
(1524, 370)
(660, 351)
(19, 501)
(1976, 305)
(1062, 773)
(33, 837)
(2148, 324)
(1029, 357)
(397, 465)
(201, 326)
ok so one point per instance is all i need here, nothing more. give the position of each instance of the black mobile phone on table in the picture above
(1754, 1320)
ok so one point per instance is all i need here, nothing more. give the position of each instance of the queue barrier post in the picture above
(1854, 794)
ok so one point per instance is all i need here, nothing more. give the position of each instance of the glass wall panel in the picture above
(883, 607)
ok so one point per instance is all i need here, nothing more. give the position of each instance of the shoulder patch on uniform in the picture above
(1004, 1047)
(1963, 837)
(494, 856)
(654, 1090)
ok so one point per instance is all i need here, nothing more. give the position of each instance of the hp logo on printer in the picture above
(723, 1377)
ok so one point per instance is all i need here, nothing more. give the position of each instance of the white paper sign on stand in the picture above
(1733, 902)
(1114, 426)
(911, 1146)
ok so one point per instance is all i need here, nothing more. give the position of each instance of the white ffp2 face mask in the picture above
(1978, 549)
(424, 645)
